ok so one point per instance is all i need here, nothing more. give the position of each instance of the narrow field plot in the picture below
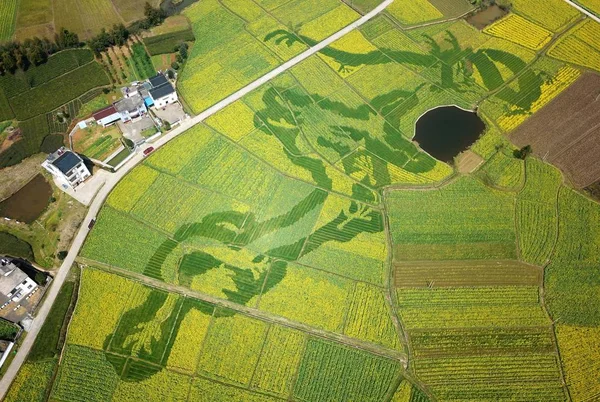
(209, 76)
(581, 360)
(189, 332)
(452, 8)
(97, 143)
(329, 23)
(459, 297)
(509, 316)
(232, 348)
(333, 372)
(369, 317)
(179, 152)
(580, 46)
(132, 188)
(520, 31)
(431, 343)
(95, 15)
(592, 5)
(144, 330)
(267, 24)
(321, 296)
(34, 12)
(278, 363)
(552, 14)
(413, 274)
(376, 26)
(164, 385)
(121, 241)
(531, 378)
(410, 12)
(503, 170)
(464, 214)
(235, 121)
(296, 13)
(8, 16)
(84, 374)
(32, 381)
(537, 217)
(98, 285)
(211, 391)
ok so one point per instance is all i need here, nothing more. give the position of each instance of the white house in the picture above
(162, 92)
(67, 167)
(131, 107)
(106, 116)
(14, 283)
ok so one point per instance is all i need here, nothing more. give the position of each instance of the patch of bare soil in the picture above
(486, 17)
(468, 162)
(566, 132)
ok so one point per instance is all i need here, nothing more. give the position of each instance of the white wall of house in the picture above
(113, 118)
(165, 100)
(23, 289)
(73, 178)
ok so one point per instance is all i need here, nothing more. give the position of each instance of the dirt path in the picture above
(113, 179)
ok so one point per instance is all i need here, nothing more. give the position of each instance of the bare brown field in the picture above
(566, 132)
(468, 161)
(412, 274)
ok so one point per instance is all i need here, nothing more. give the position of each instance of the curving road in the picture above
(113, 179)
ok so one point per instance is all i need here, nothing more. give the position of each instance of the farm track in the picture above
(252, 312)
(113, 180)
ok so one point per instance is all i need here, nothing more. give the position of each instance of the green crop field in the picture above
(304, 244)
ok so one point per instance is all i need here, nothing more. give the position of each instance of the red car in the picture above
(147, 151)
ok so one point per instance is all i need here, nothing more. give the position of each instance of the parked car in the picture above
(92, 223)
(148, 150)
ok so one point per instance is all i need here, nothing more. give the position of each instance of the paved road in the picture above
(583, 10)
(112, 181)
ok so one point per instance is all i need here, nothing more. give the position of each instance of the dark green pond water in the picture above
(29, 202)
(447, 131)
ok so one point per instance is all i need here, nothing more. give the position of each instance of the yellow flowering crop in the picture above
(520, 31)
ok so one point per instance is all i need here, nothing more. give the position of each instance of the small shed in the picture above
(106, 116)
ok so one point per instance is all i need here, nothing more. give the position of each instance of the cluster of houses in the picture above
(156, 92)
(69, 168)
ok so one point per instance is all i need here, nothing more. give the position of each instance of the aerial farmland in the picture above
(365, 201)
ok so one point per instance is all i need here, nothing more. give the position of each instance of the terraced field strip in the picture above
(252, 312)
(451, 273)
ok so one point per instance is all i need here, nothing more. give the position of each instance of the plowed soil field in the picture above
(566, 132)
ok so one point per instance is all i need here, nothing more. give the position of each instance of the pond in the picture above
(27, 204)
(447, 131)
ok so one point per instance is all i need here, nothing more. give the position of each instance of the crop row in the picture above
(520, 31)
(552, 14)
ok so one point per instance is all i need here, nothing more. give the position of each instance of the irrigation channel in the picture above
(114, 179)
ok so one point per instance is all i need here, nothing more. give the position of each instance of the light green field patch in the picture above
(232, 348)
(323, 297)
(235, 121)
(177, 153)
(329, 23)
(132, 188)
(247, 9)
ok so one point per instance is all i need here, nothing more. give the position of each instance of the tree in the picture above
(119, 34)
(8, 60)
(523, 152)
(154, 16)
(175, 65)
(65, 39)
(183, 50)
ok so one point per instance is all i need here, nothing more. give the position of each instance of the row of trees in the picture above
(119, 34)
(34, 51)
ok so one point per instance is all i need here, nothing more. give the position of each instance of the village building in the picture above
(131, 107)
(67, 167)
(107, 116)
(14, 283)
(162, 91)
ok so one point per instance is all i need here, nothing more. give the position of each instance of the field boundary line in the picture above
(262, 315)
(112, 181)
